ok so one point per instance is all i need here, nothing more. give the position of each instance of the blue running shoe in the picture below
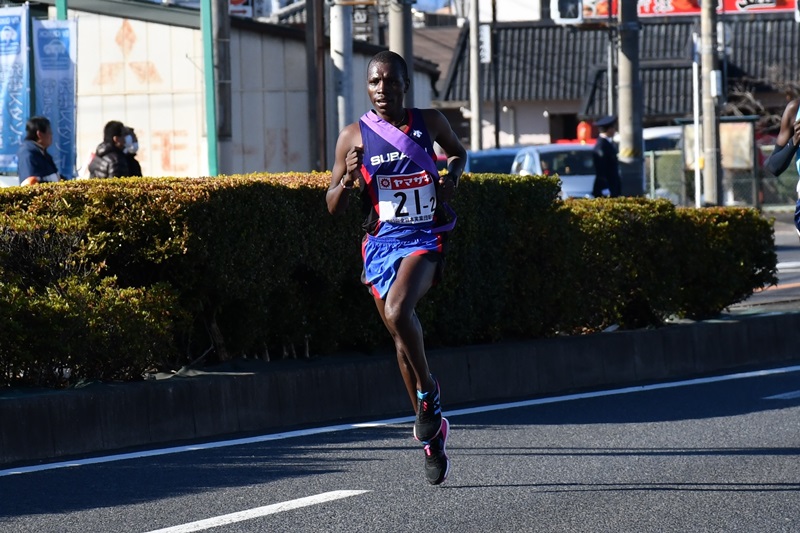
(429, 415)
(437, 464)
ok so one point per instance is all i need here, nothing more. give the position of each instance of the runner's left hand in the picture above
(447, 188)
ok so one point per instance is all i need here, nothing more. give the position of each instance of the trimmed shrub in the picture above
(109, 278)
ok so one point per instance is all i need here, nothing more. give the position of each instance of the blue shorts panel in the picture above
(382, 258)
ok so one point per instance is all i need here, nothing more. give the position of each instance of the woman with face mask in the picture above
(131, 148)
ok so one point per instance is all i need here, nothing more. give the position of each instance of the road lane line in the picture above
(785, 396)
(778, 287)
(391, 421)
(249, 514)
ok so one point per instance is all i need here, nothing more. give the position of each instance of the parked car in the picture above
(572, 162)
(662, 138)
(492, 160)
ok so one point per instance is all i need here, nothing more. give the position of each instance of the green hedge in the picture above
(107, 279)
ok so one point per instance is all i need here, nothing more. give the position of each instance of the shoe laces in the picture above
(428, 402)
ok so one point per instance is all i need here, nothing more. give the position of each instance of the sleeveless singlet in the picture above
(401, 196)
(401, 201)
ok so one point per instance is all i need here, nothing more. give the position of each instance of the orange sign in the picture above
(661, 8)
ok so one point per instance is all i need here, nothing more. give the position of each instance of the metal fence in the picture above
(667, 177)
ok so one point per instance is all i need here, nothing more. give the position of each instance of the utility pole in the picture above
(712, 175)
(206, 18)
(315, 74)
(342, 57)
(215, 27)
(222, 69)
(495, 76)
(630, 102)
(401, 40)
(475, 124)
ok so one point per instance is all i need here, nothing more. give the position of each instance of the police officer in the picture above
(607, 181)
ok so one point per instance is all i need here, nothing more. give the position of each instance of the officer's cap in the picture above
(606, 121)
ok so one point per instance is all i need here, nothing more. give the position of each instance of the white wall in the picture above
(532, 125)
(148, 76)
(270, 104)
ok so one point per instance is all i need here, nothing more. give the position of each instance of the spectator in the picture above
(35, 165)
(131, 148)
(110, 160)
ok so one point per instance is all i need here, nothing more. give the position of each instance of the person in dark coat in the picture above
(110, 160)
(34, 164)
(607, 180)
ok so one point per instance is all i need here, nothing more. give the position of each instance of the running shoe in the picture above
(437, 465)
(429, 415)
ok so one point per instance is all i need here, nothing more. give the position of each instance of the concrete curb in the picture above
(107, 418)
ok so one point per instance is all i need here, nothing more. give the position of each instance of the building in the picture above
(142, 63)
(550, 77)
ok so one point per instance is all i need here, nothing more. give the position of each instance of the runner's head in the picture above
(387, 84)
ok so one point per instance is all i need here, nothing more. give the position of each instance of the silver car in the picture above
(571, 161)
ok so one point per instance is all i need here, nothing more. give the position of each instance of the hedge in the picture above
(109, 279)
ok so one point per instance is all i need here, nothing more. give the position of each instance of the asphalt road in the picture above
(717, 456)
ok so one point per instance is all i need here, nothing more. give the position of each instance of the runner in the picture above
(785, 149)
(389, 153)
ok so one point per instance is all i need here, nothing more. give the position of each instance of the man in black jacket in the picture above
(110, 160)
(607, 180)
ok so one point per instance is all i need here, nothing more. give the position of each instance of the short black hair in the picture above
(387, 57)
(34, 125)
(113, 128)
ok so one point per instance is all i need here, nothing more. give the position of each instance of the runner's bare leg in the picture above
(414, 277)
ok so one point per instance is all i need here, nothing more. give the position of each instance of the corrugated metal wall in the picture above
(544, 62)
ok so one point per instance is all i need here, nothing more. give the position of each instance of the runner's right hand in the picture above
(355, 158)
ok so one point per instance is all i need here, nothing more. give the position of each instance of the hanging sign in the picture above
(55, 52)
(14, 83)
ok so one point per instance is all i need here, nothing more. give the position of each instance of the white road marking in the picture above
(788, 265)
(392, 421)
(249, 514)
(785, 396)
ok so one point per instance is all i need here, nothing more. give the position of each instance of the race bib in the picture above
(406, 199)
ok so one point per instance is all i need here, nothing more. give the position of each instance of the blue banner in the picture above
(55, 52)
(14, 83)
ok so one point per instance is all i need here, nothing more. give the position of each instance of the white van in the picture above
(573, 162)
(662, 138)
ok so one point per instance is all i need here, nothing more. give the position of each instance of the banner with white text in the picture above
(55, 51)
(14, 83)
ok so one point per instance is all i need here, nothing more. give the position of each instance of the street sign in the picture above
(485, 43)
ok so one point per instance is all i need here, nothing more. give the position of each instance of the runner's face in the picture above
(386, 87)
